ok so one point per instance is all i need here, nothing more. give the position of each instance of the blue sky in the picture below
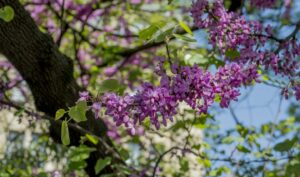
(261, 106)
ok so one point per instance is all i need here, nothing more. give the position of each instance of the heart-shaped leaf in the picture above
(7, 13)
(78, 111)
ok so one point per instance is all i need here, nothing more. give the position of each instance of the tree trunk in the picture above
(48, 73)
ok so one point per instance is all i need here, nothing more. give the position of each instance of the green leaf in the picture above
(65, 138)
(79, 156)
(20, 112)
(205, 162)
(232, 53)
(265, 78)
(80, 153)
(124, 154)
(101, 164)
(59, 114)
(185, 27)
(228, 140)
(294, 169)
(285, 145)
(7, 13)
(218, 98)
(184, 38)
(162, 36)
(196, 146)
(124, 170)
(243, 149)
(243, 131)
(110, 85)
(82, 105)
(184, 165)
(92, 139)
(77, 165)
(78, 111)
(4, 174)
(81, 2)
(134, 75)
(147, 33)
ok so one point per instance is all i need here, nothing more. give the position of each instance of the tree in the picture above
(96, 75)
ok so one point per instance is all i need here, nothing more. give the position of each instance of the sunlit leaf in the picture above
(65, 138)
(184, 38)
(59, 114)
(7, 13)
(80, 153)
(185, 27)
(92, 139)
(78, 111)
(148, 32)
(243, 149)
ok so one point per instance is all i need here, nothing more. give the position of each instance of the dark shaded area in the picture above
(235, 5)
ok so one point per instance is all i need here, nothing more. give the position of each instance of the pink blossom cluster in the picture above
(229, 31)
(193, 85)
(82, 10)
(41, 10)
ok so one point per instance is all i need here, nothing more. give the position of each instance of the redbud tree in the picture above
(135, 87)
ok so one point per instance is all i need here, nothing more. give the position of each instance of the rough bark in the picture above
(48, 73)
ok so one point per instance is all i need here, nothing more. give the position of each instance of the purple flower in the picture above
(229, 31)
(193, 85)
(110, 71)
(296, 88)
(119, 108)
(56, 174)
(96, 107)
(154, 102)
(84, 96)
